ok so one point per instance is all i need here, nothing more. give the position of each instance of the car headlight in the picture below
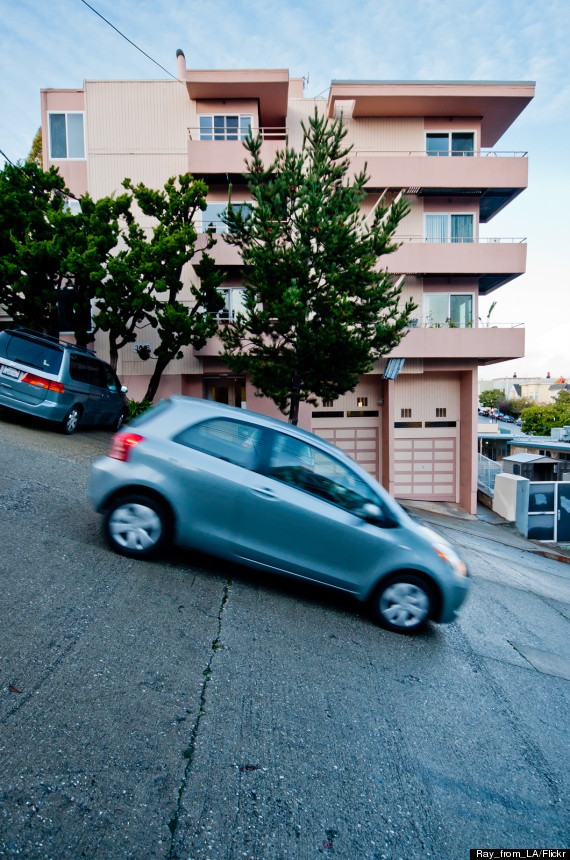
(446, 552)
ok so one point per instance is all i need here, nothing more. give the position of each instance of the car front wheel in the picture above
(403, 603)
(137, 526)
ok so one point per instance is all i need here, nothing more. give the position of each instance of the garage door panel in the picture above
(425, 469)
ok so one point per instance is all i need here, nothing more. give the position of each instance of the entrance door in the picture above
(225, 389)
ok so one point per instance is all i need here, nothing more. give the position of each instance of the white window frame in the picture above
(435, 323)
(66, 113)
(449, 132)
(234, 303)
(448, 238)
(239, 133)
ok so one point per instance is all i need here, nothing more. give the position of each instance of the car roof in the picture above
(55, 342)
(214, 407)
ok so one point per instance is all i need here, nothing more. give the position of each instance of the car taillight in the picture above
(122, 445)
(42, 382)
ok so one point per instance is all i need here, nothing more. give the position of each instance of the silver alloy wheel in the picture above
(404, 604)
(135, 527)
(71, 420)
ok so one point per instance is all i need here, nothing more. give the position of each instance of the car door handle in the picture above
(266, 493)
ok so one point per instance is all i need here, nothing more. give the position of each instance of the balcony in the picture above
(495, 177)
(224, 160)
(493, 261)
(484, 344)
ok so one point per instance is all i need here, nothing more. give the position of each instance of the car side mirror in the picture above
(374, 514)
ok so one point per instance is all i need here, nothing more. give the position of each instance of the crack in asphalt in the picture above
(189, 751)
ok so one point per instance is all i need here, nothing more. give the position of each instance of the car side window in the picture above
(110, 379)
(234, 441)
(301, 465)
(78, 368)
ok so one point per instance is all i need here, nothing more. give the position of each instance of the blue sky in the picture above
(62, 43)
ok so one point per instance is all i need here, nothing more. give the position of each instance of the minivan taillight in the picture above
(42, 382)
(122, 445)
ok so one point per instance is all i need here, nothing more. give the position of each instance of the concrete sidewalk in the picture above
(486, 524)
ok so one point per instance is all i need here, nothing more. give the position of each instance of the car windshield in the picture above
(29, 351)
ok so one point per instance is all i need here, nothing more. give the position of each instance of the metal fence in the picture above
(487, 471)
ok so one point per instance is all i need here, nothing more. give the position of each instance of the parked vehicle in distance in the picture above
(255, 490)
(58, 381)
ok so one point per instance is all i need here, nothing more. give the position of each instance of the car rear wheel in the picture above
(137, 526)
(403, 603)
(71, 420)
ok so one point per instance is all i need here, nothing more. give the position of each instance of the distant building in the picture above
(412, 424)
(540, 389)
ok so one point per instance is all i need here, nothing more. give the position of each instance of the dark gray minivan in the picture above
(59, 381)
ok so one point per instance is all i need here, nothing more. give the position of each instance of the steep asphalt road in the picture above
(186, 708)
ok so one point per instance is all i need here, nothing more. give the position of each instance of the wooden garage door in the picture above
(425, 469)
(360, 443)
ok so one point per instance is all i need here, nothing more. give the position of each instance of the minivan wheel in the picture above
(136, 526)
(119, 421)
(71, 420)
(403, 603)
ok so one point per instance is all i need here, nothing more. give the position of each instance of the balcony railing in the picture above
(465, 240)
(266, 133)
(418, 323)
(481, 153)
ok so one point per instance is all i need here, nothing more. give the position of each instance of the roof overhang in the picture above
(270, 87)
(496, 104)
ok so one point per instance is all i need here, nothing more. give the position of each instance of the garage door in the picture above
(360, 443)
(425, 469)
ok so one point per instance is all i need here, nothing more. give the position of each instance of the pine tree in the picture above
(319, 309)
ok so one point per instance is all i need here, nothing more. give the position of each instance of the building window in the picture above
(234, 298)
(440, 413)
(362, 401)
(66, 139)
(405, 413)
(224, 126)
(458, 143)
(211, 218)
(445, 227)
(328, 402)
(448, 310)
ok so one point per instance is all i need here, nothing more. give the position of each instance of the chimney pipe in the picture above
(181, 65)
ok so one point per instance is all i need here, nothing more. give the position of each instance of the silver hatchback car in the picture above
(261, 492)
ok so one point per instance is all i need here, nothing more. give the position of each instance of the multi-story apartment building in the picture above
(412, 421)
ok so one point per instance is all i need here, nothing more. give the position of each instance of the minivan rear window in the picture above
(25, 350)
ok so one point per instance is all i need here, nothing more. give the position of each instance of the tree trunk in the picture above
(159, 369)
(113, 352)
(294, 411)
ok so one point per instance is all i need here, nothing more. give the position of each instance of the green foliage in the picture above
(319, 311)
(49, 255)
(151, 269)
(137, 407)
(514, 406)
(539, 420)
(489, 399)
(35, 153)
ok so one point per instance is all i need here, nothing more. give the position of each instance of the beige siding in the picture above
(385, 134)
(299, 110)
(137, 129)
(423, 395)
